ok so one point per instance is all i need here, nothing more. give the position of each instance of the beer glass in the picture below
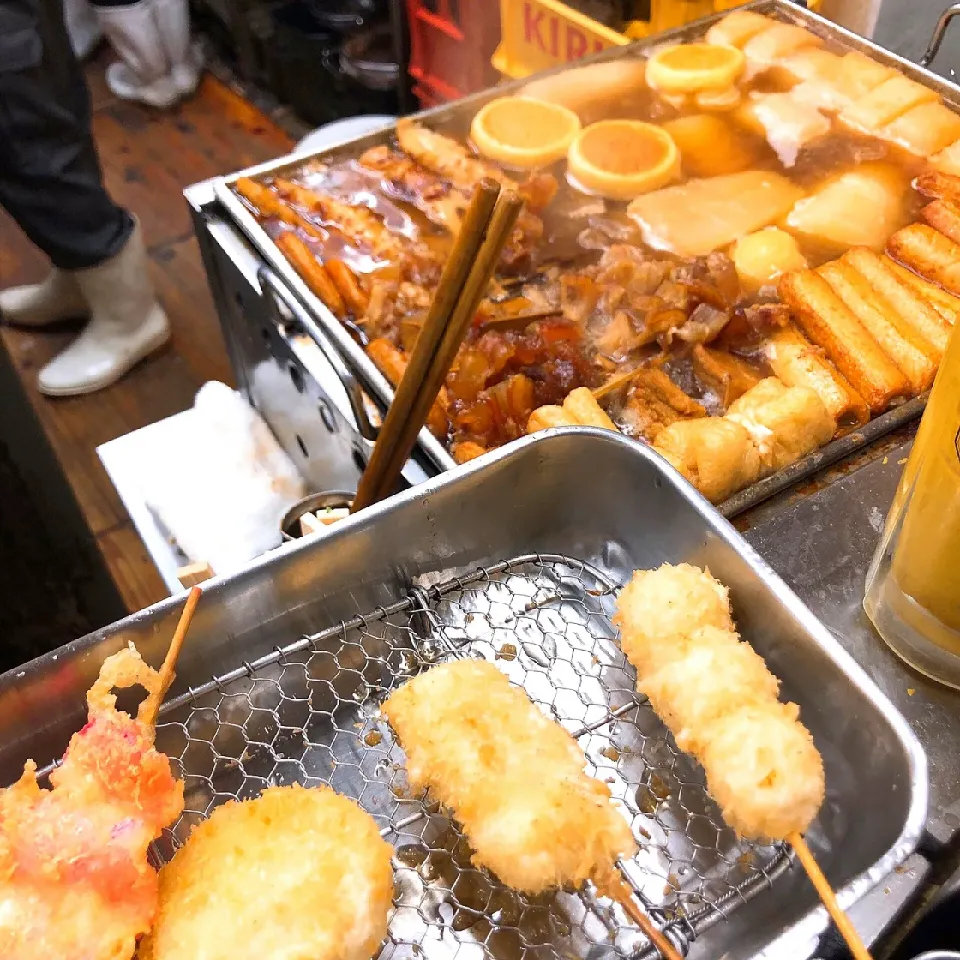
(913, 585)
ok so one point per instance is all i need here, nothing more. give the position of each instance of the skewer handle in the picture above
(619, 891)
(151, 706)
(829, 898)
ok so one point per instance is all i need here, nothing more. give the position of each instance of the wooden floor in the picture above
(148, 158)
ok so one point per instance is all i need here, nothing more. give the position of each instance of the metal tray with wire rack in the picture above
(309, 714)
(515, 559)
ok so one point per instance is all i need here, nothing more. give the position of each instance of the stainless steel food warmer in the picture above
(222, 219)
(517, 559)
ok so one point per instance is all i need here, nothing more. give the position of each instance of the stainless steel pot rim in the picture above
(327, 499)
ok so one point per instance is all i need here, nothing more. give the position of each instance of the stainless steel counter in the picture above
(821, 540)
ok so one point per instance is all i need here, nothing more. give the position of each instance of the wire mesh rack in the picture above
(309, 713)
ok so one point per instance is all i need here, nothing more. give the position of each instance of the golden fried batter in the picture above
(512, 777)
(298, 874)
(720, 701)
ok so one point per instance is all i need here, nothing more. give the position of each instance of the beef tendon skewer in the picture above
(515, 780)
(357, 223)
(313, 273)
(75, 882)
(451, 160)
(717, 697)
(432, 195)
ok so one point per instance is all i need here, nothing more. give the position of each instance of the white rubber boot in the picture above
(158, 64)
(83, 28)
(127, 325)
(57, 297)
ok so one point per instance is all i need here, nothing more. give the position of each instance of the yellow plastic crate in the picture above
(538, 34)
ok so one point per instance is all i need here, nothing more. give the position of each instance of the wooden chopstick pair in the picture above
(466, 274)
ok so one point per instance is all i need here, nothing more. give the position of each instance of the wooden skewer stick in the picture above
(621, 892)
(151, 706)
(829, 898)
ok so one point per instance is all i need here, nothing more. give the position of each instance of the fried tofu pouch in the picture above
(512, 776)
(716, 455)
(717, 697)
(786, 423)
(297, 873)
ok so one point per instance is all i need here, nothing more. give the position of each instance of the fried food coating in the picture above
(763, 769)
(719, 700)
(512, 776)
(297, 873)
(659, 610)
(75, 883)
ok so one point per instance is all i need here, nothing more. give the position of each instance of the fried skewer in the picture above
(296, 872)
(75, 881)
(482, 748)
(151, 706)
(719, 699)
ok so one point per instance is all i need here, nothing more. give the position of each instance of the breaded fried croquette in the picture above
(512, 777)
(659, 609)
(720, 701)
(298, 873)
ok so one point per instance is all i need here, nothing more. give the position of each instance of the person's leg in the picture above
(158, 64)
(50, 178)
(83, 28)
(51, 183)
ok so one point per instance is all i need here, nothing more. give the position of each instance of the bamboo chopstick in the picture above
(151, 706)
(454, 276)
(500, 227)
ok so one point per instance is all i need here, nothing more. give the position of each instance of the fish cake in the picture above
(296, 873)
(513, 777)
(929, 253)
(798, 363)
(826, 320)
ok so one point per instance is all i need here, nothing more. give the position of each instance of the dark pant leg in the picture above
(50, 178)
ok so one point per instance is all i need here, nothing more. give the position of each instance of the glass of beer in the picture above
(913, 585)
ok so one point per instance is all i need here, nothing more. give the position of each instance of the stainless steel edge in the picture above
(377, 385)
(272, 287)
(939, 32)
(449, 518)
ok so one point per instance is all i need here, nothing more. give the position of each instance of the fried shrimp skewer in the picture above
(514, 779)
(717, 697)
(75, 882)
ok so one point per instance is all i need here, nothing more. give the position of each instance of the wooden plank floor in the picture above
(148, 158)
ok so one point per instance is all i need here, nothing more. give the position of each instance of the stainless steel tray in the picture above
(458, 115)
(287, 661)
